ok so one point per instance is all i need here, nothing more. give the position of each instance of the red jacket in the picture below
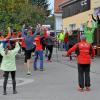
(1, 38)
(23, 43)
(38, 43)
(84, 56)
(45, 34)
(66, 39)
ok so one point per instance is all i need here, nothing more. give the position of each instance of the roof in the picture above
(67, 3)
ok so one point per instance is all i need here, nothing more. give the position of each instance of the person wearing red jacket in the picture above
(66, 41)
(84, 53)
(23, 46)
(38, 53)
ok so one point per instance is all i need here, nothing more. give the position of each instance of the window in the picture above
(72, 26)
(75, 8)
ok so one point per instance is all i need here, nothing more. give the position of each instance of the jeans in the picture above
(66, 46)
(38, 54)
(61, 45)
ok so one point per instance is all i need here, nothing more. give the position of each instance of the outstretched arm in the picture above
(72, 49)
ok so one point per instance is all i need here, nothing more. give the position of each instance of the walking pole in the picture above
(10, 39)
(56, 47)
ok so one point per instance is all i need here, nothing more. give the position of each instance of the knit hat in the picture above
(83, 37)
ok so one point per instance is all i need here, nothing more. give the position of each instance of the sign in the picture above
(97, 11)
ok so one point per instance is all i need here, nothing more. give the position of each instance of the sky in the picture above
(51, 5)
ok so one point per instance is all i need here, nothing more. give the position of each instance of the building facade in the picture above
(75, 12)
(58, 15)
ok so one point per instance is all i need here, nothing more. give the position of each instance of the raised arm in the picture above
(1, 48)
(93, 18)
(98, 18)
(16, 49)
(36, 32)
(23, 33)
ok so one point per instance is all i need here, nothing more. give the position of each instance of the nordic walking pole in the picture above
(11, 39)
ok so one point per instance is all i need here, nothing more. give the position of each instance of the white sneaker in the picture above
(28, 73)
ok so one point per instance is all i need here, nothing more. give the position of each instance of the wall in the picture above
(56, 5)
(82, 17)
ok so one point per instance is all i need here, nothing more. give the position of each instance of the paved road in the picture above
(57, 82)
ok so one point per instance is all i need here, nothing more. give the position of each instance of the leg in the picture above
(13, 81)
(46, 53)
(81, 75)
(70, 58)
(28, 53)
(25, 59)
(50, 54)
(87, 75)
(6, 74)
(67, 46)
(41, 60)
(1, 58)
(28, 66)
(35, 60)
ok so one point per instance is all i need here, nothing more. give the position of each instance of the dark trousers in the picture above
(50, 49)
(6, 75)
(84, 75)
(1, 58)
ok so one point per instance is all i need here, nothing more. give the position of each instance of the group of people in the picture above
(29, 41)
(36, 42)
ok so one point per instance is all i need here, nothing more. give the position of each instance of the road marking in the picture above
(19, 81)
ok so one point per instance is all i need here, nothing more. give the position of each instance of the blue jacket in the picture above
(29, 40)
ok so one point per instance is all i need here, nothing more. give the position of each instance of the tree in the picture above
(42, 4)
(15, 12)
(50, 21)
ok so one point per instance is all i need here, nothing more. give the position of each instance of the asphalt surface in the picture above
(59, 81)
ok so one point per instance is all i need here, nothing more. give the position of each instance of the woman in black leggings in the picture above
(8, 65)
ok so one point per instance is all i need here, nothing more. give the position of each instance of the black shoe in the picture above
(5, 93)
(35, 69)
(15, 92)
(41, 69)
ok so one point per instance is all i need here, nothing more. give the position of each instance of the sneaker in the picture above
(4, 93)
(80, 89)
(15, 92)
(41, 69)
(69, 61)
(49, 60)
(35, 69)
(87, 89)
(28, 73)
(25, 63)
